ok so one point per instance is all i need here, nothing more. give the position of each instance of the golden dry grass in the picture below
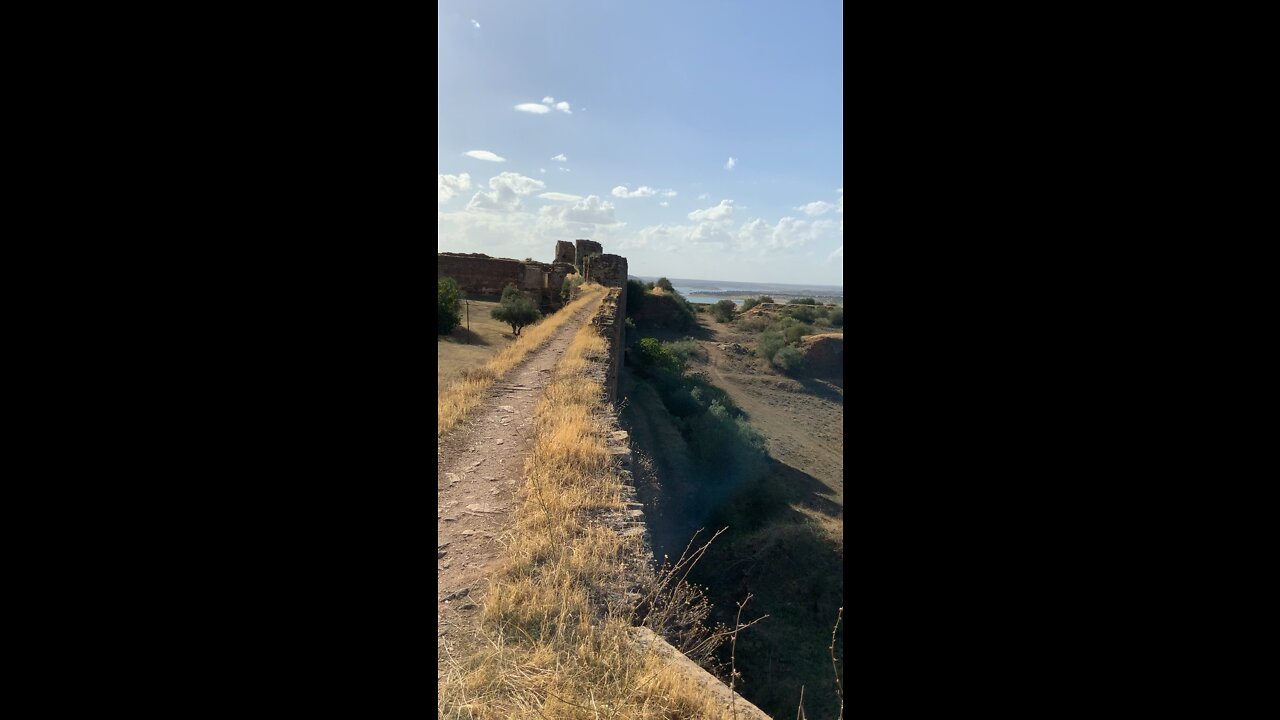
(555, 646)
(468, 392)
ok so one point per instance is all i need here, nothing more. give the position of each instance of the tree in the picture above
(766, 298)
(516, 310)
(723, 310)
(447, 314)
(665, 284)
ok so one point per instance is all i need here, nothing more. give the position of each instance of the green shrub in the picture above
(802, 301)
(837, 317)
(750, 303)
(793, 333)
(803, 313)
(771, 341)
(685, 350)
(571, 282)
(516, 310)
(651, 354)
(723, 310)
(789, 359)
(665, 284)
(766, 299)
(753, 324)
(447, 313)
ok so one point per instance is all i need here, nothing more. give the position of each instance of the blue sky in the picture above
(616, 121)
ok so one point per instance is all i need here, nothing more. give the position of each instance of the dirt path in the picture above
(479, 468)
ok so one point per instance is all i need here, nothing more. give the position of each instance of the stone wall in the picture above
(480, 274)
(609, 322)
(565, 252)
(585, 248)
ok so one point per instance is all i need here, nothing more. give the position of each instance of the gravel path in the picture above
(480, 466)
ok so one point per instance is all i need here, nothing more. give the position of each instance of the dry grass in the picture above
(465, 395)
(558, 635)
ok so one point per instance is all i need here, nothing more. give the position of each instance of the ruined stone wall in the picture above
(585, 248)
(565, 252)
(609, 322)
(609, 271)
(480, 274)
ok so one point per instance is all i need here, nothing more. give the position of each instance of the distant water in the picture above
(711, 291)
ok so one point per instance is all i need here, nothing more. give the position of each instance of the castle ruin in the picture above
(480, 275)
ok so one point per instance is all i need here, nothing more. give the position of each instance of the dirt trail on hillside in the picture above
(480, 466)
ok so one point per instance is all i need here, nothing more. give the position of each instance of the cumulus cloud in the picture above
(723, 211)
(709, 232)
(560, 158)
(704, 196)
(664, 203)
(505, 192)
(590, 210)
(789, 233)
(559, 196)
(451, 185)
(484, 155)
(563, 169)
(818, 207)
(731, 164)
(792, 233)
(547, 105)
(542, 170)
(476, 24)
(640, 192)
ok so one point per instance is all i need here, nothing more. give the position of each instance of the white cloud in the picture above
(506, 190)
(542, 170)
(788, 234)
(563, 169)
(451, 185)
(640, 192)
(792, 233)
(548, 103)
(816, 208)
(473, 22)
(484, 155)
(731, 164)
(559, 196)
(591, 210)
(837, 254)
(667, 193)
(664, 203)
(560, 158)
(704, 196)
(709, 232)
(723, 211)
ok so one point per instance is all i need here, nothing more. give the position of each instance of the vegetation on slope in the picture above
(782, 543)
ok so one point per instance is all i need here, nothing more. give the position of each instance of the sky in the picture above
(698, 139)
